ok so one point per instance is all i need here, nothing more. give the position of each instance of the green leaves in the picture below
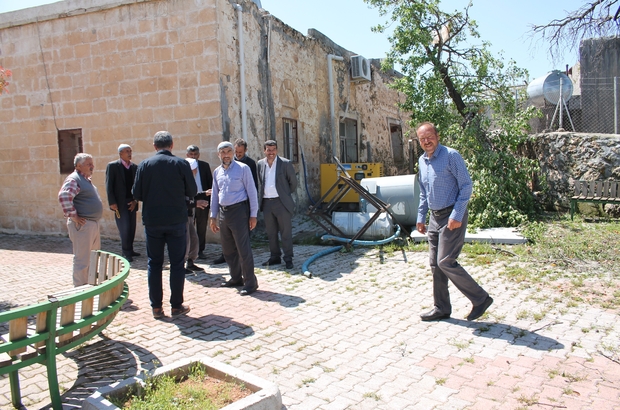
(469, 94)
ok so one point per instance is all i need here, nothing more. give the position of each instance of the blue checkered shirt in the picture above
(444, 181)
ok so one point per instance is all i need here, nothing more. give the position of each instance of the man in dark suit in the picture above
(162, 183)
(119, 177)
(241, 149)
(277, 181)
(204, 180)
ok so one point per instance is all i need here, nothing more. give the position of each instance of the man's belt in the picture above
(226, 208)
(441, 212)
(271, 199)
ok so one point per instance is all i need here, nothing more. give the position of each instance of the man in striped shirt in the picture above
(83, 209)
(445, 189)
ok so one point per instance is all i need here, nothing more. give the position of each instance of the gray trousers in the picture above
(278, 220)
(191, 252)
(235, 237)
(444, 248)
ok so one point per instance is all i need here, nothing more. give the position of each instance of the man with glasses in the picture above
(445, 189)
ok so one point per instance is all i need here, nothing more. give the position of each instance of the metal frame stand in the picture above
(344, 183)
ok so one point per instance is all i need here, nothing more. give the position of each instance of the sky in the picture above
(503, 23)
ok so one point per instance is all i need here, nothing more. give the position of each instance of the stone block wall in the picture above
(567, 157)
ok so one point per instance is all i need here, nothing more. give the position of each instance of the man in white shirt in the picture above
(277, 182)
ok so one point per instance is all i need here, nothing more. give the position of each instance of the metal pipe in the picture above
(244, 126)
(332, 113)
(616, 105)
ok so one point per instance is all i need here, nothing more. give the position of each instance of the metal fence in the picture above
(594, 107)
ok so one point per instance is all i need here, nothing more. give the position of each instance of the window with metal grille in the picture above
(291, 146)
(69, 145)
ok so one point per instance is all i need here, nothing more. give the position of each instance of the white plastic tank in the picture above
(350, 223)
(547, 88)
(402, 192)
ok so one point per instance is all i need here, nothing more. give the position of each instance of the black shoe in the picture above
(189, 272)
(248, 291)
(479, 310)
(434, 314)
(232, 283)
(201, 255)
(219, 260)
(192, 266)
(129, 258)
(180, 310)
(289, 265)
(272, 261)
(134, 253)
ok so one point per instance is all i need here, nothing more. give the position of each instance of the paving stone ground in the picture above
(348, 338)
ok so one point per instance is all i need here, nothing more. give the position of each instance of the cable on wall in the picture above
(49, 90)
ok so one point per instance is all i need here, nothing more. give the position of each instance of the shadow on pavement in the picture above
(102, 363)
(510, 334)
(212, 328)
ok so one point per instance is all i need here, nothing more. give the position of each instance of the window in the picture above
(348, 141)
(396, 136)
(291, 146)
(69, 145)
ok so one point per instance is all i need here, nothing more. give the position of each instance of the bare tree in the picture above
(600, 18)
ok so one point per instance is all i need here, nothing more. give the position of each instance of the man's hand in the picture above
(452, 224)
(252, 222)
(114, 207)
(202, 203)
(132, 205)
(78, 220)
(214, 226)
(421, 227)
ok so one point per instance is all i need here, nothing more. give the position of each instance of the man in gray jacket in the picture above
(277, 181)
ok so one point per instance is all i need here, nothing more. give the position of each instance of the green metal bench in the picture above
(40, 332)
(600, 192)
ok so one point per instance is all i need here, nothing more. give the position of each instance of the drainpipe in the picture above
(244, 126)
(332, 113)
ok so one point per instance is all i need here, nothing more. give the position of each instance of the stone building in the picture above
(89, 77)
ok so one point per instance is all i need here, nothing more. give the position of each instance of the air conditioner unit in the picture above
(360, 69)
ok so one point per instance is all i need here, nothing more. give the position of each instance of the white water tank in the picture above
(350, 223)
(402, 192)
(547, 88)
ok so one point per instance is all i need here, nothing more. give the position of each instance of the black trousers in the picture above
(126, 225)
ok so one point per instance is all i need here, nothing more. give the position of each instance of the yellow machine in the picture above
(357, 171)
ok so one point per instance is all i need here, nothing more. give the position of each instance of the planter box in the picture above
(266, 395)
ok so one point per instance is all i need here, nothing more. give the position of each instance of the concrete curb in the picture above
(266, 395)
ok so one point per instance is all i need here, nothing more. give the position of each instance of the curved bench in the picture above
(40, 332)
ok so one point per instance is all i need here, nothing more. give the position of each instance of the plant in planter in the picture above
(260, 394)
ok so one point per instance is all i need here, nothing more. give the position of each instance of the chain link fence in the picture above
(594, 107)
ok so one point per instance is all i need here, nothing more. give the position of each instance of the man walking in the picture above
(203, 179)
(119, 177)
(277, 182)
(83, 208)
(445, 189)
(241, 149)
(234, 205)
(162, 183)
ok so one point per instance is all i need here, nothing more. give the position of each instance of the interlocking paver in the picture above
(349, 338)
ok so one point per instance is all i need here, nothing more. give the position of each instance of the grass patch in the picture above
(196, 391)
(576, 258)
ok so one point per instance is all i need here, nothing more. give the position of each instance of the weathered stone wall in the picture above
(121, 70)
(118, 72)
(567, 157)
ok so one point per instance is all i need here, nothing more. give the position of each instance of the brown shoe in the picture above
(158, 313)
(180, 311)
